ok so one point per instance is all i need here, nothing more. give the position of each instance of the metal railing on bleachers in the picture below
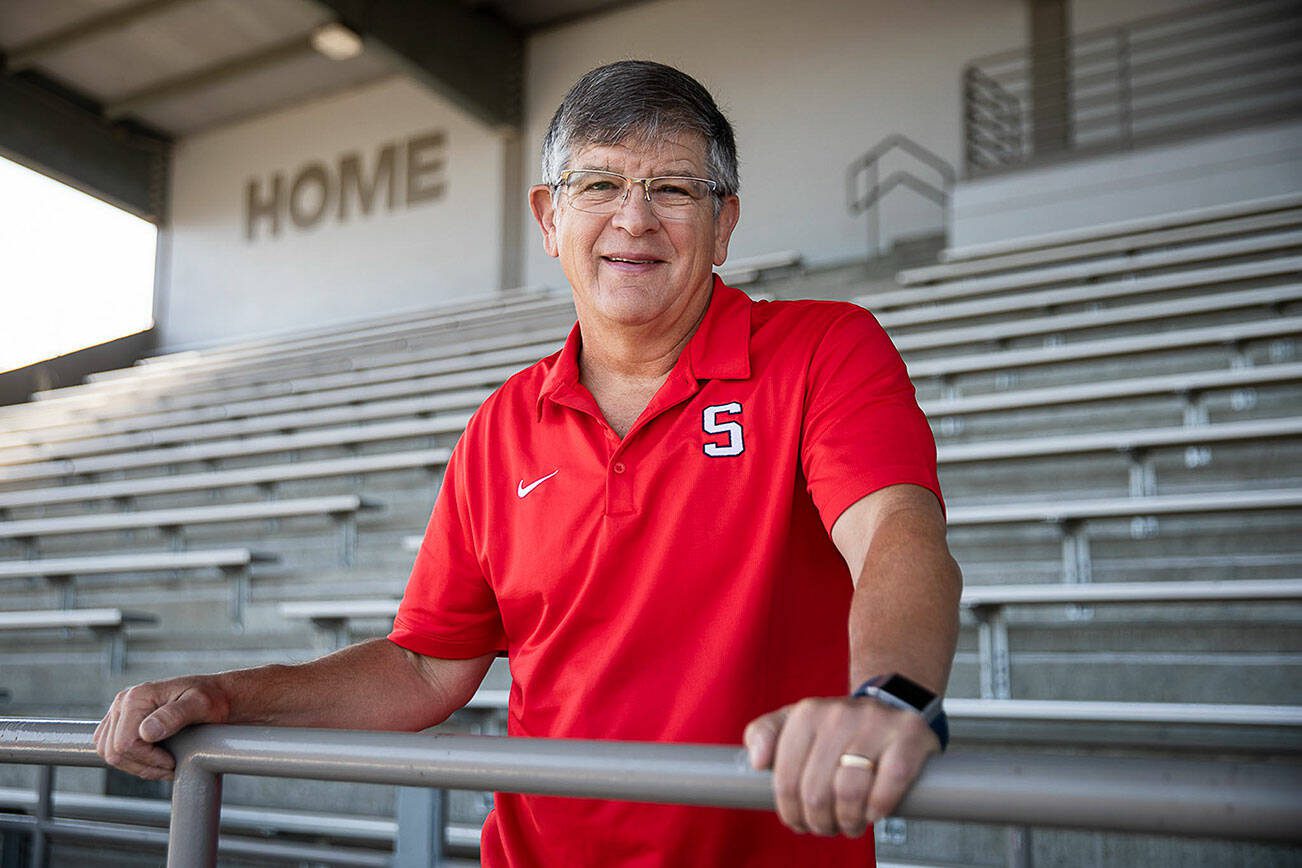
(989, 605)
(1227, 799)
(953, 300)
(1174, 227)
(341, 509)
(107, 624)
(233, 563)
(1096, 260)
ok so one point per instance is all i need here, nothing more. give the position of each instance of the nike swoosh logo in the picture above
(522, 490)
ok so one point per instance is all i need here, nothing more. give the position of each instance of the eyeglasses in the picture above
(672, 197)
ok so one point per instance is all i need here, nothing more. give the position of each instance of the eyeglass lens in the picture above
(604, 192)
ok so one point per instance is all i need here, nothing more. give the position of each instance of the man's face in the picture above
(632, 268)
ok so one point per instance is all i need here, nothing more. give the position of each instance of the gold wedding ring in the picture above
(856, 761)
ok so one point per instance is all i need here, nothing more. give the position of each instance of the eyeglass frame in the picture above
(645, 182)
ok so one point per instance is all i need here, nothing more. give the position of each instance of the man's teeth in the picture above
(634, 261)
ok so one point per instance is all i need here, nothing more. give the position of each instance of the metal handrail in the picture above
(1164, 796)
(857, 203)
(1155, 21)
(1119, 86)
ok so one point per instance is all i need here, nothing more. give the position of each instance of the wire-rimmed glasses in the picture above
(672, 197)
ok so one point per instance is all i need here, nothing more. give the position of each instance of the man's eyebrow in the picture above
(688, 172)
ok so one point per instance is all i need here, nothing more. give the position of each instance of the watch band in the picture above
(903, 693)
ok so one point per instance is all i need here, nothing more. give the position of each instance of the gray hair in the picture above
(643, 101)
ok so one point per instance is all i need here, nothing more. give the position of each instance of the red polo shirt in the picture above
(675, 584)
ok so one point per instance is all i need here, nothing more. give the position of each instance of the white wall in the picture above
(1215, 170)
(220, 285)
(808, 86)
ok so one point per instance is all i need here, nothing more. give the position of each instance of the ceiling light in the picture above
(336, 41)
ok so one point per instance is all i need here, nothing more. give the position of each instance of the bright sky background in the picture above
(74, 271)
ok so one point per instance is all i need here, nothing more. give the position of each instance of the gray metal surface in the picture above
(1119, 441)
(1132, 592)
(943, 302)
(1073, 322)
(1190, 384)
(1095, 348)
(1124, 263)
(1111, 507)
(1174, 226)
(70, 524)
(1176, 797)
(216, 479)
(135, 562)
(1200, 713)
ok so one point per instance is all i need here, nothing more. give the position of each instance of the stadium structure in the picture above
(1079, 220)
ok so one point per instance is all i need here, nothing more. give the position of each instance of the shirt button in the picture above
(619, 467)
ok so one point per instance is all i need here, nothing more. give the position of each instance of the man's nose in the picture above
(634, 214)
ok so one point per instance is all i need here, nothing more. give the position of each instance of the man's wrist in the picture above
(897, 691)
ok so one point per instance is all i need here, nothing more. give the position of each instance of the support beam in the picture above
(1050, 77)
(218, 73)
(469, 56)
(59, 134)
(25, 56)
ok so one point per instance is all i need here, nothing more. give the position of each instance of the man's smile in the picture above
(631, 262)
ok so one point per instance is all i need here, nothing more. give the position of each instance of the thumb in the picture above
(761, 737)
(173, 716)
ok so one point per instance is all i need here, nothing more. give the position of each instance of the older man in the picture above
(667, 526)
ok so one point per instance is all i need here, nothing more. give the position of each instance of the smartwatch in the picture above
(908, 695)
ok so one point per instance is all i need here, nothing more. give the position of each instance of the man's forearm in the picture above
(904, 615)
(371, 685)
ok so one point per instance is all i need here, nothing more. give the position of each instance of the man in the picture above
(666, 526)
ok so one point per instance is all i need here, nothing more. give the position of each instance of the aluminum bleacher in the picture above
(1117, 414)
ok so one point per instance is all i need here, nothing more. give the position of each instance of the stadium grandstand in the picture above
(1080, 221)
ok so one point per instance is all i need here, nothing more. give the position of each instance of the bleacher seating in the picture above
(1118, 417)
(107, 624)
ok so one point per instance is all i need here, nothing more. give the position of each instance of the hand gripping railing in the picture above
(1162, 796)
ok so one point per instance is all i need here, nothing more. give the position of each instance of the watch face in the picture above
(910, 691)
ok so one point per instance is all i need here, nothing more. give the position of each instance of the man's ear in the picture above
(544, 212)
(729, 214)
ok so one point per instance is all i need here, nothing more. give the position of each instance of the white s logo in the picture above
(710, 422)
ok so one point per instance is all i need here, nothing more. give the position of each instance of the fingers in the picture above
(804, 743)
(143, 715)
(789, 761)
(835, 732)
(191, 706)
(117, 741)
(899, 765)
(851, 787)
(761, 737)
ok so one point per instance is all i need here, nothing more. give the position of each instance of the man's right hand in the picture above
(146, 714)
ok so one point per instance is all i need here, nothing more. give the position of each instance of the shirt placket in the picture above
(625, 455)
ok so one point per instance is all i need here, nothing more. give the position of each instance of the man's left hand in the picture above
(803, 743)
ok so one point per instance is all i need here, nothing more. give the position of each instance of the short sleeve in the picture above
(449, 610)
(862, 428)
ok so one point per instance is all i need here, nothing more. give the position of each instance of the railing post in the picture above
(874, 220)
(44, 811)
(196, 810)
(992, 642)
(1019, 847)
(419, 842)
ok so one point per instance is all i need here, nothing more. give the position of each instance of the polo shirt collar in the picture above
(562, 382)
(720, 349)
